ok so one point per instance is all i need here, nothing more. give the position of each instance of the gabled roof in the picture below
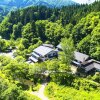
(48, 45)
(43, 50)
(80, 56)
(33, 59)
(91, 64)
(97, 65)
(36, 55)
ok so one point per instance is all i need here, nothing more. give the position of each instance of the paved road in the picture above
(40, 93)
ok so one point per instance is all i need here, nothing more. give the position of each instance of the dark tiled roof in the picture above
(43, 50)
(80, 56)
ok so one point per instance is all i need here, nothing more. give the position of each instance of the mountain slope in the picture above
(24, 3)
(8, 5)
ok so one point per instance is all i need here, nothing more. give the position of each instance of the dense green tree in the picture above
(4, 45)
(62, 78)
(67, 54)
(68, 30)
(53, 65)
(5, 28)
(27, 32)
(62, 92)
(96, 77)
(16, 70)
(10, 91)
(85, 26)
(40, 29)
(54, 32)
(95, 43)
(17, 30)
(84, 45)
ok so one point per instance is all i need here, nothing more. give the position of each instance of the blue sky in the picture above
(84, 1)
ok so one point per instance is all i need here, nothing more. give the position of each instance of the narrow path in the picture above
(40, 93)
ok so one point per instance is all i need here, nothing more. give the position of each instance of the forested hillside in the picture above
(3, 12)
(8, 5)
(25, 3)
(81, 22)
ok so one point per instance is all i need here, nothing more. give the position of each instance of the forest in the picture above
(77, 27)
